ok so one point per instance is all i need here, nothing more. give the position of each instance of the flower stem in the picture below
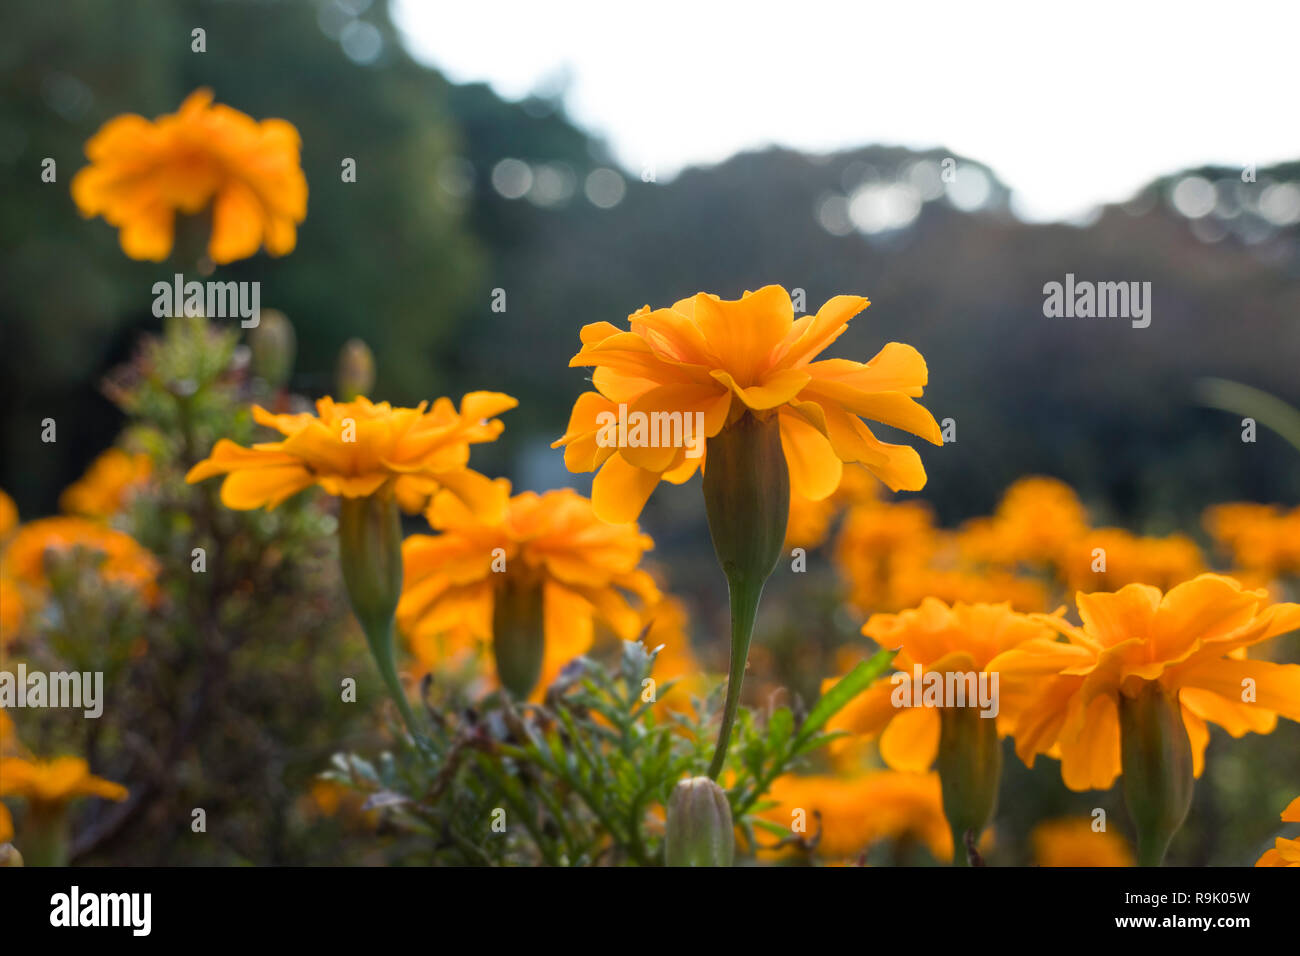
(744, 610)
(380, 639)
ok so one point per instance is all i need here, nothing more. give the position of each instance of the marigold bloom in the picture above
(352, 449)
(1073, 842)
(810, 521)
(1285, 852)
(859, 812)
(52, 783)
(1192, 640)
(8, 516)
(1261, 538)
(1037, 519)
(1130, 559)
(143, 173)
(874, 539)
(124, 561)
(721, 358)
(549, 550)
(107, 485)
(963, 638)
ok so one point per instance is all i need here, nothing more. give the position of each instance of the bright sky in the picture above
(1071, 107)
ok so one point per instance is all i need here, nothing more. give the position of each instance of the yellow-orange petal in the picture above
(911, 741)
(620, 490)
(815, 469)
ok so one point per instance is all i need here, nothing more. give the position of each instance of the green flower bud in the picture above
(1156, 755)
(356, 375)
(370, 553)
(970, 769)
(518, 637)
(699, 829)
(747, 499)
(273, 344)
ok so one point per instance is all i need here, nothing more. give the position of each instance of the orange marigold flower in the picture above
(1106, 559)
(8, 516)
(1261, 538)
(721, 358)
(1285, 852)
(52, 783)
(107, 485)
(810, 521)
(352, 449)
(1073, 842)
(141, 174)
(1191, 640)
(1037, 519)
(962, 639)
(124, 561)
(856, 813)
(874, 539)
(548, 566)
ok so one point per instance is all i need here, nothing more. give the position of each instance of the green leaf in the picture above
(779, 728)
(849, 686)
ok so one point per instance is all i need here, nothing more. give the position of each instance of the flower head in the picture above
(549, 563)
(52, 783)
(1108, 558)
(1191, 640)
(856, 813)
(124, 561)
(141, 174)
(107, 484)
(8, 516)
(1285, 852)
(810, 521)
(1263, 538)
(353, 449)
(963, 638)
(1037, 519)
(719, 359)
(1073, 842)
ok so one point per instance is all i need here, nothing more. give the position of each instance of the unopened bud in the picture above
(273, 344)
(356, 370)
(699, 828)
